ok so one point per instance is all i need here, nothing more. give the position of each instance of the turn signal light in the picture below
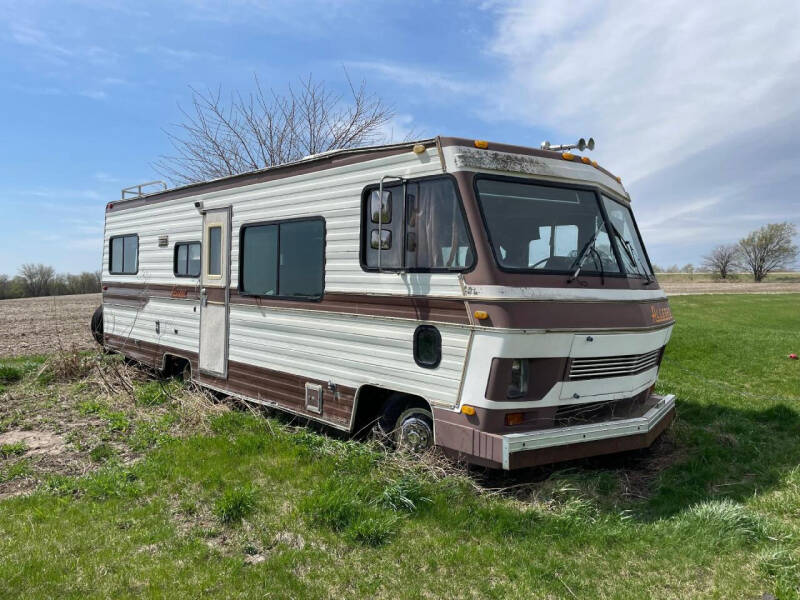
(481, 144)
(595, 165)
(618, 178)
(586, 160)
(468, 410)
(480, 314)
(418, 148)
(514, 418)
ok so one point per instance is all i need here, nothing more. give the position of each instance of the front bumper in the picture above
(557, 444)
(578, 441)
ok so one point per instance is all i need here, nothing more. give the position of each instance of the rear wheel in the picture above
(97, 325)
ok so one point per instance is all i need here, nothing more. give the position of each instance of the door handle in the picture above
(204, 297)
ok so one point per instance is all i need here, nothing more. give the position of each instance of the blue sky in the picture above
(694, 106)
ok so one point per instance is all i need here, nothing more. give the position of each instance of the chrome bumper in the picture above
(562, 436)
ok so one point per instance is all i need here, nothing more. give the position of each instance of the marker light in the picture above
(618, 178)
(568, 156)
(514, 418)
(418, 148)
(594, 164)
(468, 410)
(480, 314)
(481, 144)
(586, 160)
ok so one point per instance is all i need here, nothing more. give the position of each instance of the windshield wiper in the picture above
(583, 254)
(629, 251)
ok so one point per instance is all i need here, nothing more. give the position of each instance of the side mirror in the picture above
(386, 239)
(380, 210)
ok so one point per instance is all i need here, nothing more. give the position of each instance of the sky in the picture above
(695, 105)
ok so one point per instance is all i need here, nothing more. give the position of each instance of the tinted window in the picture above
(116, 255)
(124, 258)
(187, 259)
(194, 259)
(283, 259)
(259, 260)
(542, 228)
(215, 251)
(427, 346)
(627, 239)
(436, 235)
(302, 245)
(432, 236)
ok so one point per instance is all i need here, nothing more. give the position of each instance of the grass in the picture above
(228, 504)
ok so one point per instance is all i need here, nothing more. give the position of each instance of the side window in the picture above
(283, 259)
(215, 251)
(418, 226)
(123, 254)
(187, 259)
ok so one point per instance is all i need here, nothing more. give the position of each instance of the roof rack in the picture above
(135, 191)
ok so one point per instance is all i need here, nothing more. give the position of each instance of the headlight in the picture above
(519, 378)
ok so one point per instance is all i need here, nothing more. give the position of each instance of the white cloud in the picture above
(648, 80)
(417, 77)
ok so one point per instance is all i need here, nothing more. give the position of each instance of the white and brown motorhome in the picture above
(494, 300)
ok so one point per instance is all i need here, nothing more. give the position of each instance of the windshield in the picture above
(634, 260)
(545, 229)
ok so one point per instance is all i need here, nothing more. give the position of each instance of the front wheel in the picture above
(413, 430)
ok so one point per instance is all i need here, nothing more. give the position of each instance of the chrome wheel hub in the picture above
(416, 434)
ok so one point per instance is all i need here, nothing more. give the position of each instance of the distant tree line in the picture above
(760, 253)
(41, 280)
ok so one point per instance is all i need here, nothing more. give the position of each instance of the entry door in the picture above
(215, 292)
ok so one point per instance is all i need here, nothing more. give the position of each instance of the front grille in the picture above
(613, 366)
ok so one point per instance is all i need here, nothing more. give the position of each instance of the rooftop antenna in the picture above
(581, 145)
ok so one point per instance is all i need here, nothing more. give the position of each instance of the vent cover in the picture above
(314, 398)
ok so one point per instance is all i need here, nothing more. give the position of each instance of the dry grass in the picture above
(40, 325)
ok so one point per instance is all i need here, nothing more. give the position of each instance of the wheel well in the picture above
(174, 365)
(374, 402)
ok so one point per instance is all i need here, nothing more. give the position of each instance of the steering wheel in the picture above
(536, 264)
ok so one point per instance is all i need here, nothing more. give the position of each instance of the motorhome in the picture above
(493, 300)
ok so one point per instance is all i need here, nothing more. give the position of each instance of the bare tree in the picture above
(722, 260)
(37, 279)
(244, 133)
(769, 248)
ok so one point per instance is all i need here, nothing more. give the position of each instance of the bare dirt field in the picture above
(42, 325)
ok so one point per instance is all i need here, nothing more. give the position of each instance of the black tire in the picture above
(408, 423)
(97, 325)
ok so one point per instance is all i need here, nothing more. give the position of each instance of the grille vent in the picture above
(613, 366)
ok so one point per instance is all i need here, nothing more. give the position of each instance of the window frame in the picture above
(438, 345)
(111, 254)
(622, 274)
(175, 259)
(279, 222)
(365, 218)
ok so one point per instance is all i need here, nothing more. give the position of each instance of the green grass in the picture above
(249, 507)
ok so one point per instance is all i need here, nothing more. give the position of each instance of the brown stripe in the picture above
(552, 314)
(284, 389)
(270, 174)
(441, 310)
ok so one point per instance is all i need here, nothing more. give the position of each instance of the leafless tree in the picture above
(769, 248)
(722, 260)
(36, 279)
(220, 137)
